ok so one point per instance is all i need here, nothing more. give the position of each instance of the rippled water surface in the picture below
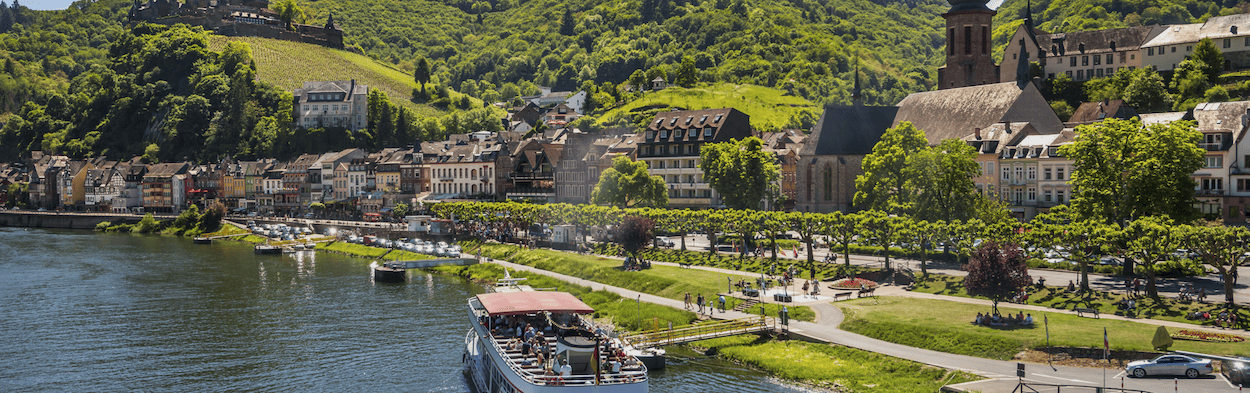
(84, 311)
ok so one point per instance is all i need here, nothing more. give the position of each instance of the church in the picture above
(969, 99)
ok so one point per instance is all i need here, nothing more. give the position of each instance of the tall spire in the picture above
(1028, 15)
(856, 96)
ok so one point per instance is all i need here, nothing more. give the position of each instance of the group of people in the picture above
(1224, 319)
(703, 304)
(989, 319)
(811, 288)
(1188, 293)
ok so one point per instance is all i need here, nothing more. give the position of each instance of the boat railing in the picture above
(543, 379)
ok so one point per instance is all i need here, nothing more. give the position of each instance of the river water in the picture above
(85, 311)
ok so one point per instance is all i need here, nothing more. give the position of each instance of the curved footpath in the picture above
(1000, 374)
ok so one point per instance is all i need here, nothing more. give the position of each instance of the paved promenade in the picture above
(1000, 374)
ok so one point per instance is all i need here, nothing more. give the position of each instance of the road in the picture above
(1000, 374)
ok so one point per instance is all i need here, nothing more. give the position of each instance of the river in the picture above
(86, 311)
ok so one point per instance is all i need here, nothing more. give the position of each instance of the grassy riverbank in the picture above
(946, 326)
(831, 366)
(1164, 309)
(667, 281)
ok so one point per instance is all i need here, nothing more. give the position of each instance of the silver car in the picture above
(1169, 365)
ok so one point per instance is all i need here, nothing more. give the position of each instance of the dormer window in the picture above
(694, 132)
(673, 121)
(707, 132)
(689, 119)
(650, 134)
(663, 134)
(659, 121)
(704, 119)
(717, 118)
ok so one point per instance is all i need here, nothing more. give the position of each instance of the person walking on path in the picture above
(806, 286)
(700, 302)
(687, 304)
(721, 300)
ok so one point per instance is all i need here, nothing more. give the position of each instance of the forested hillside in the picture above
(502, 47)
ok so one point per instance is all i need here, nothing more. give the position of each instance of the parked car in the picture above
(662, 241)
(1169, 365)
(1237, 372)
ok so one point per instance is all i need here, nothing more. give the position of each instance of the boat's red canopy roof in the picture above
(514, 303)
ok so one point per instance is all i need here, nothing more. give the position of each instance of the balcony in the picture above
(531, 192)
(529, 176)
(1212, 146)
(1210, 192)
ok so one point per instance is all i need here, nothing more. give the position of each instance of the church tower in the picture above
(968, 44)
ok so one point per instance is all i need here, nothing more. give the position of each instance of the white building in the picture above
(324, 104)
(464, 168)
(1231, 34)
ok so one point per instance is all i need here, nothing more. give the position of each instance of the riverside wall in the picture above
(67, 220)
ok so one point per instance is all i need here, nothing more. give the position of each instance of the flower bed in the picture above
(1205, 336)
(853, 283)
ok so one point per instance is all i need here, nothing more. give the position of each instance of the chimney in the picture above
(1006, 127)
(977, 133)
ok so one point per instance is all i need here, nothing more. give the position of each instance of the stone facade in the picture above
(969, 32)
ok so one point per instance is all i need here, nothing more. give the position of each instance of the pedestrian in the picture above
(721, 300)
(806, 285)
(687, 303)
(700, 303)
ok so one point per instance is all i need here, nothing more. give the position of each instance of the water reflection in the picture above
(90, 311)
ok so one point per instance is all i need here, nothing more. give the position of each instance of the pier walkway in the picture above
(428, 263)
(703, 331)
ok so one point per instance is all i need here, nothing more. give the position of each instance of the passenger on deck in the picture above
(565, 369)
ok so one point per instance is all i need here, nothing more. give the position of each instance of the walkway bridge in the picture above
(725, 328)
(428, 263)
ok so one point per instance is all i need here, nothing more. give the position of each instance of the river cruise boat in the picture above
(566, 352)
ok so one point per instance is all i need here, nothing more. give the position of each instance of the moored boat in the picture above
(556, 350)
(267, 249)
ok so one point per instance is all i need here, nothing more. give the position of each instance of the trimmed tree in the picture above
(740, 171)
(997, 272)
(628, 184)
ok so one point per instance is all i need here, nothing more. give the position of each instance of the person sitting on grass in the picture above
(979, 320)
(1028, 319)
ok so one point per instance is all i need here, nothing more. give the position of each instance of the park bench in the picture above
(868, 292)
(840, 295)
(684, 264)
(1080, 311)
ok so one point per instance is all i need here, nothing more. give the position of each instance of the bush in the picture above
(148, 225)
(103, 226)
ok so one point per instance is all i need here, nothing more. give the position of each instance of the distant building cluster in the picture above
(236, 18)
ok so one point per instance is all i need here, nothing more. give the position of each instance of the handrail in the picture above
(704, 331)
(1020, 387)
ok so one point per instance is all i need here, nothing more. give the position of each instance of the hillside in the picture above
(506, 47)
(287, 65)
(770, 109)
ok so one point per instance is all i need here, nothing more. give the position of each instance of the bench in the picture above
(1080, 312)
(684, 265)
(868, 292)
(839, 295)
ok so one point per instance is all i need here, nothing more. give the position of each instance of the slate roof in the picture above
(955, 113)
(1097, 41)
(1214, 28)
(1221, 116)
(1090, 112)
(1164, 117)
(849, 130)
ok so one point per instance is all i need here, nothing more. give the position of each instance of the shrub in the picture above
(103, 226)
(148, 224)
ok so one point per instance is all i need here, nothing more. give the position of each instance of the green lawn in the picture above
(252, 239)
(825, 365)
(946, 326)
(770, 109)
(667, 281)
(1166, 309)
(289, 64)
(353, 249)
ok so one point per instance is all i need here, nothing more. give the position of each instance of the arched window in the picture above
(828, 182)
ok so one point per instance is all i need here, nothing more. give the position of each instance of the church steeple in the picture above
(968, 59)
(330, 22)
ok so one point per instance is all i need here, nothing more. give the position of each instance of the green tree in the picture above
(151, 153)
(210, 221)
(1221, 247)
(422, 73)
(638, 80)
(883, 186)
(288, 11)
(1062, 109)
(148, 224)
(687, 73)
(842, 229)
(1208, 54)
(1147, 93)
(1150, 240)
(188, 218)
(400, 210)
(740, 171)
(628, 184)
(1123, 169)
(941, 179)
(567, 23)
(1190, 82)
